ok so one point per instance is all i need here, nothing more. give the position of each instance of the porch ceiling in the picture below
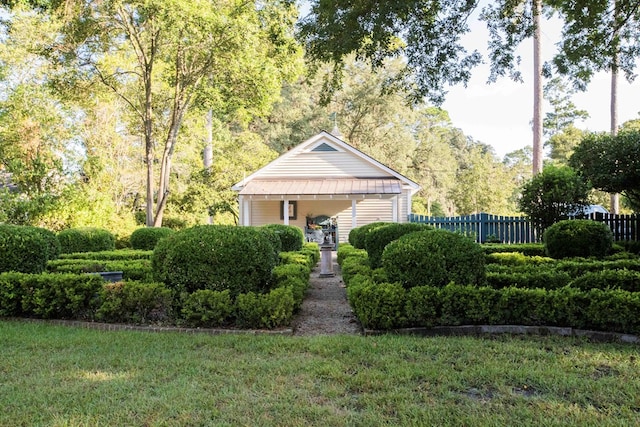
(322, 187)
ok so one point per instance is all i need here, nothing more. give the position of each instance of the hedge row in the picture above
(86, 239)
(389, 305)
(26, 249)
(88, 297)
(121, 254)
(589, 274)
(603, 299)
(528, 249)
(135, 269)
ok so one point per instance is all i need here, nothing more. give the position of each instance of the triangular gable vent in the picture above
(324, 147)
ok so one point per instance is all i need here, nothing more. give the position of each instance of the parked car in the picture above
(588, 210)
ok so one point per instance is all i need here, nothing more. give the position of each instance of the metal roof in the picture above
(286, 187)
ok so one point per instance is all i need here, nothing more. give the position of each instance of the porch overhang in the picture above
(328, 188)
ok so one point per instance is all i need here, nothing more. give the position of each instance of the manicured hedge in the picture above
(541, 278)
(311, 250)
(353, 265)
(49, 296)
(134, 302)
(88, 297)
(52, 243)
(578, 238)
(120, 254)
(347, 250)
(23, 249)
(377, 239)
(608, 279)
(291, 237)
(604, 310)
(516, 258)
(215, 257)
(527, 249)
(434, 257)
(146, 238)
(522, 294)
(86, 239)
(207, 308)
(358, 236)
(136, 269)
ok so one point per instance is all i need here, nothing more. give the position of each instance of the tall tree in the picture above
(563, 135)
(426, 32)
(163, 57)
(599, 35)
(563, 111)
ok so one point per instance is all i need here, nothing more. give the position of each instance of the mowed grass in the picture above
(65, 376)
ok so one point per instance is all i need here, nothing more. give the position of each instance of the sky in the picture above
(500, 113)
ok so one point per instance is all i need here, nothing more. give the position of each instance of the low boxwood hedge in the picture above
(612, 310)
(578, 238)
(358, 236)
(207, 308)
(86, 239)
(377, 239)
(120, 254)
(527, 249)
(434, 257)
(134, 302)
(49, 296)
(136, 269)
(146, 238)
(291, 237)
(23, 249)
(215, 257)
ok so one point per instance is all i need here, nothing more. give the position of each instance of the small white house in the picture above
(325, 178)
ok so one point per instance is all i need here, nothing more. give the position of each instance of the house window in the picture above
(293, 210)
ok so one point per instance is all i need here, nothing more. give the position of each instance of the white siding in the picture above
(322, 165)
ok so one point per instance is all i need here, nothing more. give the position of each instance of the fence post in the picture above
(483, 226)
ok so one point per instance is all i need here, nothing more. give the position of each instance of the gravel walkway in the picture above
(325, 309)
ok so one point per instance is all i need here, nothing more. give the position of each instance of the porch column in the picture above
(245, 211)
(394, 208)
(354, 219)
(285, 211)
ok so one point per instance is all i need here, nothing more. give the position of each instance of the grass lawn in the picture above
(65, 376)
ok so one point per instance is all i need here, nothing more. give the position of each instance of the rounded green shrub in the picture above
(358, 235)
(215, 257)
(51, 240)
(22, 249)
(146, 238)
(378, 238)
(434, 258)
(86, 239)
(578, 238)
(290, 236)
(274, 241)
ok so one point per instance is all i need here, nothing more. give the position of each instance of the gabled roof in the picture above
(265, 183)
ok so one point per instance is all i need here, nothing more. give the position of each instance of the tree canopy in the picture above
(611, 163)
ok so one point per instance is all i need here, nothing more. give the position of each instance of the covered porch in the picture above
(346, 203)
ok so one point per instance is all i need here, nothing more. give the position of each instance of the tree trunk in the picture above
(615, 198)
(149, 146)
(207, 155)
(181, 102)
(537, 89)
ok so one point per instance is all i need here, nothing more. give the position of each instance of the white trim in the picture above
(394, 209)
(354, 216)
(285, 211)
